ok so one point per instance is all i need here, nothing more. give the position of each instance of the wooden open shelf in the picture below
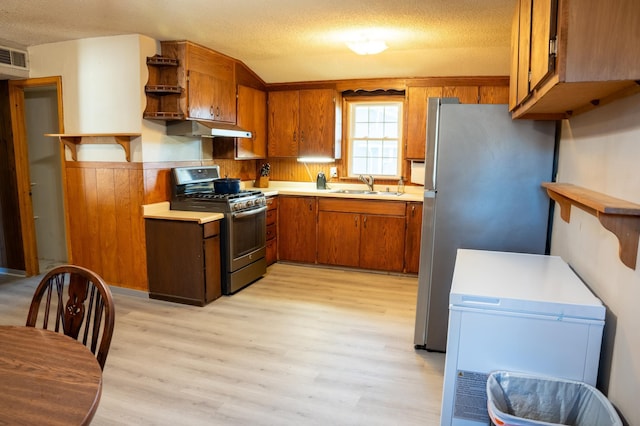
(618, 216)
(72, 140)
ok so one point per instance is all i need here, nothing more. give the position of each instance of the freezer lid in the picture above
(518, 282)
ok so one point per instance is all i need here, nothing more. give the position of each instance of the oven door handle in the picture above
(249, 213)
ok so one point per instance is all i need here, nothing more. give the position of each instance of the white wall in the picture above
(103, 83)
(600, 150)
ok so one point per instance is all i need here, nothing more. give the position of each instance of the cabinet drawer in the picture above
(271, 231)
(272, 203)
(271, 216)
(211, 229)
(391, 208)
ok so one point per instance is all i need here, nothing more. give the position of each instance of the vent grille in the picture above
(18, 59)
(14, 58)
(5, 56)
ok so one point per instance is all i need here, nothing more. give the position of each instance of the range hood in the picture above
(207, 129)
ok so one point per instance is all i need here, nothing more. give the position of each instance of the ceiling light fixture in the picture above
(367, 46)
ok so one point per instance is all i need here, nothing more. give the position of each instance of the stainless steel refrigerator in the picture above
(482, 191)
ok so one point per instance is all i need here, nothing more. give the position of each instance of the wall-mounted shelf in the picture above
(72, 140)
(162, 90)
(618, 216)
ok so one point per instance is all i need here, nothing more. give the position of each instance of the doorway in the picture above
(36, 109)
(45, 171)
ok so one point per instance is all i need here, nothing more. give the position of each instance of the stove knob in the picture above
(250, 203)
(239, 205)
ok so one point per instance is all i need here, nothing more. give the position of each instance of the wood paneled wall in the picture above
(106, 228)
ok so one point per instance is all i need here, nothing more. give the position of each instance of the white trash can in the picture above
(515, 399)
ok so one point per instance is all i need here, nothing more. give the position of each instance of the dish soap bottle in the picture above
(401, 186)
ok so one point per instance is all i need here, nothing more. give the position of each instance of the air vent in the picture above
(14, 63)
(13, 57)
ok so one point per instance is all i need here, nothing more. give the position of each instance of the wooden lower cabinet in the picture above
(183, 261)
(382, 242)
(339, 238)
(272, 230)
(297, 229)
(413, 237)
(364, 234)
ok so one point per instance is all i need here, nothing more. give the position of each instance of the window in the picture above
(375, 138)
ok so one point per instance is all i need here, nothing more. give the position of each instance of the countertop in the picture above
(385, 192)
(162, 211)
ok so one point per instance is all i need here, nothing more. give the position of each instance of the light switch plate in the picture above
(333, 172)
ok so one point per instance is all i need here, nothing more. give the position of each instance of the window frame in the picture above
(348, 118)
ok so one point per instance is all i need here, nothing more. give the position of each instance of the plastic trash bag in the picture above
(515, 399)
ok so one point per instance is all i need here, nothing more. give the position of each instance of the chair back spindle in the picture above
(87, 315)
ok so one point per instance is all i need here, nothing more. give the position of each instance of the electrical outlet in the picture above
(333, 172)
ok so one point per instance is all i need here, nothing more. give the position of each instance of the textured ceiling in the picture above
(290, 40)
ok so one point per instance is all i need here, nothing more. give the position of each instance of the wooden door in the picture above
(252, 116)
(282, 121)
(317, 123)
(297, 229)
(382, 242)
(524, 50)
(339, 238)
(200, 95)
(417, 98)
(413, 237)
(543, 29)
(466, 94)
(494, 94)
(222, 69)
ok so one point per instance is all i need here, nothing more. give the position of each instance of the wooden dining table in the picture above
(46, 378)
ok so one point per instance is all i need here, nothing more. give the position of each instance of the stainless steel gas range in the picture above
(243, 242)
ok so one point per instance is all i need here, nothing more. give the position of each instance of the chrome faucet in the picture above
(368, 180)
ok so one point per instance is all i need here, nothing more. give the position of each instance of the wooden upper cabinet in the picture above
(494, 94)
(252, 116)
(282, 122)
(486, 92)
(304, 123)
(568, 56)
(417, 119)
(209, 79)
(466, 94)
(317, 123)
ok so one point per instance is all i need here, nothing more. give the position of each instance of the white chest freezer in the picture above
(517, 312)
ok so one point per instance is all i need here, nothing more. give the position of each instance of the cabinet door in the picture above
(494, 94)
(543, 29)
(382, 242)
(200, 89)
(338, 238)
(417, 98)
(466, 94)
(522, 37)
(412, 238)
(212, 268)
(297, 229)
(223, 100)
(252, 116)
(282, 121)
(317, 123)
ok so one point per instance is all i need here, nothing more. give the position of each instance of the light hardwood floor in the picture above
(302, 346)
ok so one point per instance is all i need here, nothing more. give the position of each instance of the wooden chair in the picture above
(81, 304)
